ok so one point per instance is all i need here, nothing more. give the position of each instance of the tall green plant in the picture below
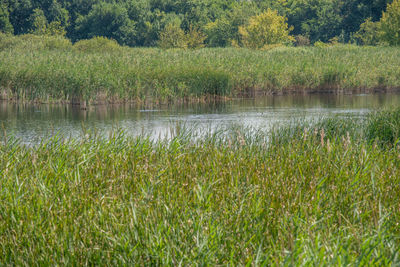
(5, 25)
(390, 24)
(268, 28)
(369, 33)
(172, 37)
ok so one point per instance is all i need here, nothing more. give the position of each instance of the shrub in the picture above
(97, 44)
(265, 29)
(301, 40)
(174, 37)
(368, 34)
(195, 38)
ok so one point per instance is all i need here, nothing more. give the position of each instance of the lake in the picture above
(31, 123)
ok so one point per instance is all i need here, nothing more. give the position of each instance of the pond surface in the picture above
(31, 123)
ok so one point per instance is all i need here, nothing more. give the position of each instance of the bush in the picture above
(368, 33)
(195, 38)
(265, 29)
(172, 37)
(301, 40)
(97, 44)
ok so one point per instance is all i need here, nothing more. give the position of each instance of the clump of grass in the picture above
(229, 198)
(384, 126)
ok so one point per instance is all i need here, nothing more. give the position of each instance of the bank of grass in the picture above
(236, 197)
(52, 69)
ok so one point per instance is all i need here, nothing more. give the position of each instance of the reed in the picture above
(232, 197)
(52, 69)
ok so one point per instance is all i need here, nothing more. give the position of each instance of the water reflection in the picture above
(33, 122)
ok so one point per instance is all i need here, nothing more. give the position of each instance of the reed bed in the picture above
(234, 197)
(52, 69)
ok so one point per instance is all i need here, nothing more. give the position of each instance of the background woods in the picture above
(213, 23)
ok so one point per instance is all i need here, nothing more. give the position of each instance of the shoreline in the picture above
(206, 98)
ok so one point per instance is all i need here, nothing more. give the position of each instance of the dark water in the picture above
(33, 122)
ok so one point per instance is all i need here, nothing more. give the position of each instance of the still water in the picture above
(32, 123)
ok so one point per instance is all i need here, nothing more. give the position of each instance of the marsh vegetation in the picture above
(51, 69)
(311, 193)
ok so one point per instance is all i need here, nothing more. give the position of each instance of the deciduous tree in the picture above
(265, 29)
(390, 24)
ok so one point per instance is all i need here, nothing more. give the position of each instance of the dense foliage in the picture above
(142, 22)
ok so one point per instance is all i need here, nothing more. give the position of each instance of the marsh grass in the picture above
(51, 69)
(232, 197)
(384, 126)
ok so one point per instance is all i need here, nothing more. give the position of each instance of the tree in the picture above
(315, 19)
(20, 12)
(268, 28)
(390, 24)
(172, 37)
(195, 38)
(225, 28)
(110, 20)
(369, 33)
(57, 13)
(40, 26)
(39, 22)
(5, 25)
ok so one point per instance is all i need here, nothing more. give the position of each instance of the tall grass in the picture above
(229, 198)
(384, 126)
(46, 69)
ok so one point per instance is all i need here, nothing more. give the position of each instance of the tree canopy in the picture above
(217, 22)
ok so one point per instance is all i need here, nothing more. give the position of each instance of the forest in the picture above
(211, 23)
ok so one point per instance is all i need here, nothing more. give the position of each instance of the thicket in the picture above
(216, 22)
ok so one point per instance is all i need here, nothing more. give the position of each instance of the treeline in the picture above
(213, 23)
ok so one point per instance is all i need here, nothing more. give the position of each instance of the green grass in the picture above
(236, 197)
(52, 69)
